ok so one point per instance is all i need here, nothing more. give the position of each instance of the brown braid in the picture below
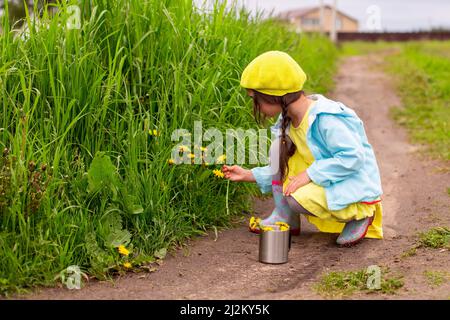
(287, 147)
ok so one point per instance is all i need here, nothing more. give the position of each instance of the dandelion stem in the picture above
(226, 198)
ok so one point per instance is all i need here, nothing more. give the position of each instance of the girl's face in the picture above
(268, 109)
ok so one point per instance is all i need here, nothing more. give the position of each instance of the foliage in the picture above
(346, 283)
(438, 237)
(82, 102)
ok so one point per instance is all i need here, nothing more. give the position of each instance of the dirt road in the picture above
(415, 199)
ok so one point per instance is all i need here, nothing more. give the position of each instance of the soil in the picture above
(415, 199)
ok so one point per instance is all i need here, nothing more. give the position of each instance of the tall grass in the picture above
(80, 174)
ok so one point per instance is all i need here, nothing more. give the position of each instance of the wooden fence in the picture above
(392, 36)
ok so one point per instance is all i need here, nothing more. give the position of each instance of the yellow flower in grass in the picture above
(203, 149)
(183, 149)
(218, 173)
(153, 132)
(221, 159)
(123, 251)
(171, 161)
(127, 265)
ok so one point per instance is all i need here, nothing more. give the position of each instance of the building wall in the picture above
(310, 22)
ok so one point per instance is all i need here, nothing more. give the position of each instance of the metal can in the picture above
(274, 246)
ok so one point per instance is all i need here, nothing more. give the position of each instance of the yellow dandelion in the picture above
(171, 161)
(254, 222)
(123, 251)
(282, 225)
(221, 159)
(127, 265)
(183, 148)
(218, 173)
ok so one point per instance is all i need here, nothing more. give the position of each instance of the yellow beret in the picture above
(274, 73)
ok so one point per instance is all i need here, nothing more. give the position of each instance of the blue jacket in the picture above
(345, 163)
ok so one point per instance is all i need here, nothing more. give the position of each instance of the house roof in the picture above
(297, 13)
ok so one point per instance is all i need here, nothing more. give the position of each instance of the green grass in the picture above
(80, 174)
(410, 252)
(436, 278)
(346, 283)
(421, 72)
(436, 238)
(356, 48)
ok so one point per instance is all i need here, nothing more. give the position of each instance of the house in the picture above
(308, 19)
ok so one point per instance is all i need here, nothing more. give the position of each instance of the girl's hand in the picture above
(297, 182)
(237, 173)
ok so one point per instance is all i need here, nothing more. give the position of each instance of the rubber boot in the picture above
(354, 231)
(282, 211)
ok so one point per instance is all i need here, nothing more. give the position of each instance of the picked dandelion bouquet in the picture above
(255, 224)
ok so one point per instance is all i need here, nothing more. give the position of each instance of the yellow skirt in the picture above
(312, 197)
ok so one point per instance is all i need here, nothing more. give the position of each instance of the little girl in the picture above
(321, 164)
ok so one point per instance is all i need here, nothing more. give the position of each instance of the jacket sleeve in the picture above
(263, 177)
(345, 147)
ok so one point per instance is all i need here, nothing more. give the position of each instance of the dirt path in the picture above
(415, 199)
